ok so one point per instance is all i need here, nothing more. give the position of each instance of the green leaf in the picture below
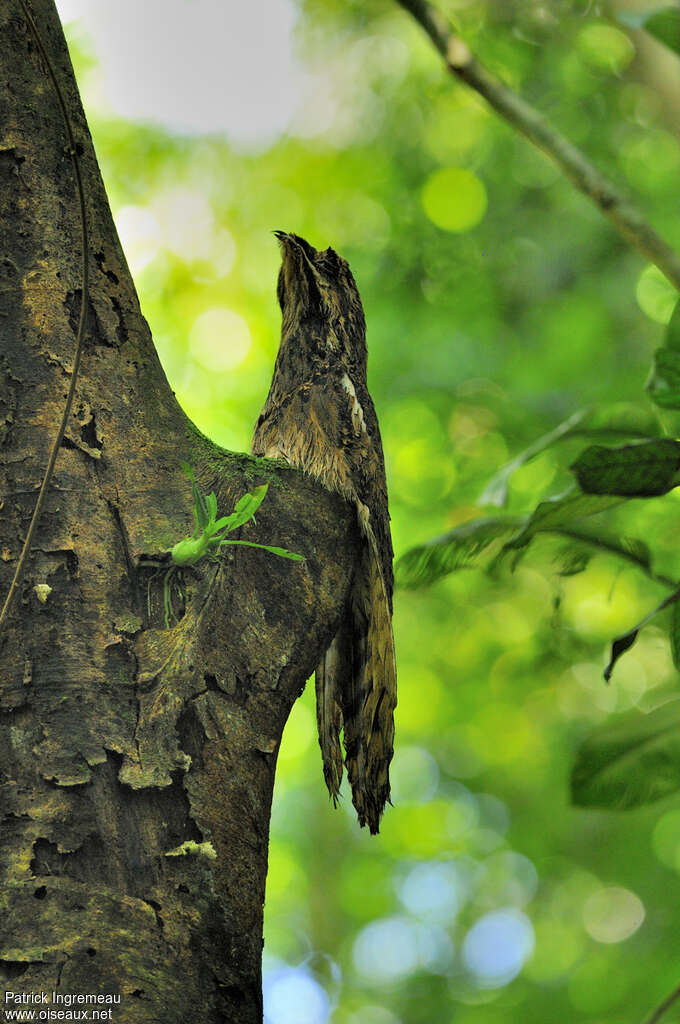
(643, 470)
(629, 548)
(561, 511)
(661, 22)
(632, 761)
(282, 552)
(211, 505)
(457, 549)
(619, 646)
(620, 419)
(563, 516)
(624, 642)
(664, 384)
(245, 508)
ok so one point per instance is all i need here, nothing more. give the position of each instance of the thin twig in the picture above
(16, 579)
(666, 1004)
(628, 220)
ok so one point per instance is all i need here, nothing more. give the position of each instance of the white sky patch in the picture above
(195, 66)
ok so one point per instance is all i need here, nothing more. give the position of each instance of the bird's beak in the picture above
(290, 243)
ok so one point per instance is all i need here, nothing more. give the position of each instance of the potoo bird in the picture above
(320, 418)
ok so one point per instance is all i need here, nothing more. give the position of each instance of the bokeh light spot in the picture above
(433, 890)
(219, 339)
(558, 947)
(605, 47)
(507, 877)
(612, 914)
(454, 199)
(386, 951)
(186, 222)
(420, 466)
(292, 996)
(497, 946)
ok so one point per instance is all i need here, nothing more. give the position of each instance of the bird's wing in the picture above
(328, 428)
(333, 674)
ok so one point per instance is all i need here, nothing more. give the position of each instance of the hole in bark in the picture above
(45, 857)
(88, 433)
(41, 892)
(10, 969)
(101, 259)
(121, 332)
(181, 826)
(72, 303)
(95, 335)
(156, 907)
(89, 863)
(191, 736)
(138, 993)
(183, 888)
(91, 951)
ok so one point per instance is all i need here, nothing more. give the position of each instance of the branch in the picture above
(666, 1004)
(625, 217)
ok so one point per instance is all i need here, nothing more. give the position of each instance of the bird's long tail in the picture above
(377, 684)
(356, 687)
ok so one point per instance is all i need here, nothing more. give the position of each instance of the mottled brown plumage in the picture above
(320, 417)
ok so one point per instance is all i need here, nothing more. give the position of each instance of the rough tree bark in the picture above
(121, 739)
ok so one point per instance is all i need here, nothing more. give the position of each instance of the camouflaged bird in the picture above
(320, 417)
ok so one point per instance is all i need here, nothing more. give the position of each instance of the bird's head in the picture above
(317, 284)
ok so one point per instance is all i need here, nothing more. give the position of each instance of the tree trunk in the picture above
(137, 757)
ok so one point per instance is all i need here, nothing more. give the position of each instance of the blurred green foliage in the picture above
(499, 302)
